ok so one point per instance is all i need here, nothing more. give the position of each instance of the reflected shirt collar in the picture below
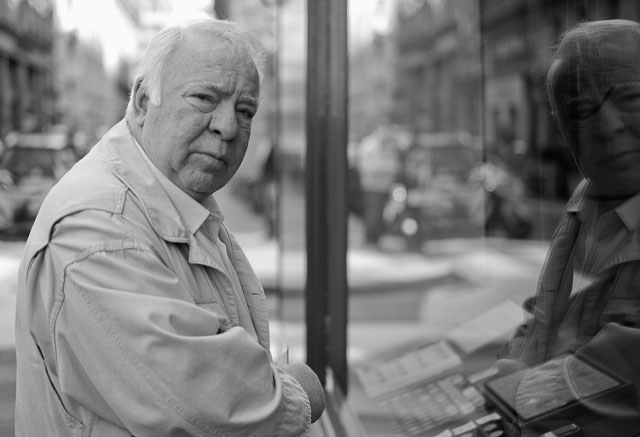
(628, 211)
(192, 213)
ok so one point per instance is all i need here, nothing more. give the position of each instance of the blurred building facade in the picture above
(27, 96)
(438, 70)
(95, 49)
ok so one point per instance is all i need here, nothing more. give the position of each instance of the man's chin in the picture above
(200, 191)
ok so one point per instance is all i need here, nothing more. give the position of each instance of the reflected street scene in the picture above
(438, 199)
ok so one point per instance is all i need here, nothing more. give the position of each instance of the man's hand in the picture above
(506, 366)
(311, 385)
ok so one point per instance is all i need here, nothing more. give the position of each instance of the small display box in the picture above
(558, 392)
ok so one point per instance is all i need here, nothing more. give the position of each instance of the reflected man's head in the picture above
(594, 90)
(193, 100)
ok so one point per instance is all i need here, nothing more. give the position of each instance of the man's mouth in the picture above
(211, 157)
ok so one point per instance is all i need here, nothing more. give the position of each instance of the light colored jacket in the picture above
(118, 331)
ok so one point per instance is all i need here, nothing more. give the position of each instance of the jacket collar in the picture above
(575, 204)
(628, 211)
(128, 164)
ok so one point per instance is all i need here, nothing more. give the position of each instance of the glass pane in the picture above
(459, 176)
(290, 50)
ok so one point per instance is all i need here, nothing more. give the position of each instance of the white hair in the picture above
(151, 72)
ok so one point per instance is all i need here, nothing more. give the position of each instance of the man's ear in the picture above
(140, 100)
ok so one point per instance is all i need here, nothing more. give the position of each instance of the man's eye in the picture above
(246, 113)
(204, 102)
(582, 111)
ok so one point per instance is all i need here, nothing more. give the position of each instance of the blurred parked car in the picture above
(31, 164)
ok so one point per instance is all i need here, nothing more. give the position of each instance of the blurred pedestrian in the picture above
(378, 167)
(268, 182)
(588, 298)
(137, 311)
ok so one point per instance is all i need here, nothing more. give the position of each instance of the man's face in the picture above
(199, 133)
(607, 112)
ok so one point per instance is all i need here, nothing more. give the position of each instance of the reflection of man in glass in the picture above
(588, 298)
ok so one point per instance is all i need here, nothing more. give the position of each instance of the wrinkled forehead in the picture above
(202, 51)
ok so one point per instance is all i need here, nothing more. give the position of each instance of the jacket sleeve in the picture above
(131, 346)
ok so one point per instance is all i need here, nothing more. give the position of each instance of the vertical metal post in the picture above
(326, 189)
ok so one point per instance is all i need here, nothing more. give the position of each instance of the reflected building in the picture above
(372, 56)
(438, 69)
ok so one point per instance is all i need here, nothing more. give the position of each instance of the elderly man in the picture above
(588, 298)
(138, 313)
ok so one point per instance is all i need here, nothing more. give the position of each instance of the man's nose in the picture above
(223, 121)
(608, 120)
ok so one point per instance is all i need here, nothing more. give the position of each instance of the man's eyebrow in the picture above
(245, 98)
(249, 100)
